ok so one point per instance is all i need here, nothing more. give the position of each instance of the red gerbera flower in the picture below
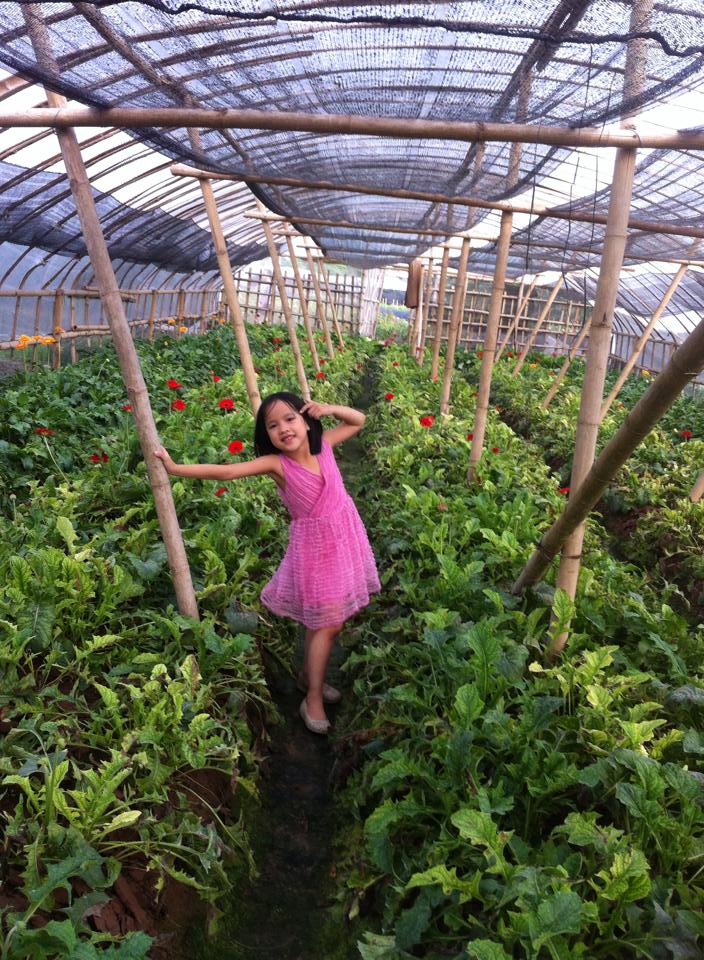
(173, 384)
(495, 449)
(470, 436)
(322, 362)
(178, 405)
(236, 446)
(564, 490)
(480, 353)
(220, 490)
(127, 406)
(427, 421)
(276, 348)
(395, 363)
(388, 396)
(45, 431)
(216, 378)
(98, 457)
(276, 339)
(686, 434)
(226, 404)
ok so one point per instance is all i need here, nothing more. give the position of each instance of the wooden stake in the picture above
(686, 363)
(288, 314)
(567, 362)
(333, 308)
(426, 312)
(304, 303)
(489, 348)
(319, 307)
(455, 318)
(642, 340)
(521, 307)
(57, 319)
(231, 296)
(536, 329)
(440, 314)
(122, 338)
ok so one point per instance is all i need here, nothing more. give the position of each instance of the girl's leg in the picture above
(318, 648)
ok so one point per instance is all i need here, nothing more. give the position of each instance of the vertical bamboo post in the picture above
(304, 304)
(231, 297)
(286, 306)
(418, 324)
(122, 338)
(602, 315)
(72, 321)
(536, 329)
(57, 318)
(440, 314)
(426, 311)
(455, 317)
(521, 307)
(695, 494)
(574, 349)
(152, 314)
(489, 348)
(319, 308)
(642, 340)
(333, 305)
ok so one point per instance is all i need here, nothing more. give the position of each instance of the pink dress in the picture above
(328, 571)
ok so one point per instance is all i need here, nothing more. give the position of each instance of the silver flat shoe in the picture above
(315, 726)
(330, 694)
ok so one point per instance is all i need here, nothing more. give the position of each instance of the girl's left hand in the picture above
(317, 410)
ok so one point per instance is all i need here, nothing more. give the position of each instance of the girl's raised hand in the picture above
(317, 410)
(163, 455)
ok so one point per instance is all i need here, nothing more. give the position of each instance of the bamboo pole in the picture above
(231, 296)
(489, 348)
(536, 329)
(602, 319)
(319, 307)
(686, 363)
(695, 494)
(72, 321)
(333, 307)
(455, 318)
(288, 314)
(440, 314)
(122, 338)
(646, 226)
(521, 307)
(642, 340)
(418, 326)
(567, 363)
(57, 318)
(346, 125)
(426, 312)
(304, 303)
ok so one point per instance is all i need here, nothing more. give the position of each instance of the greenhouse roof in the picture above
(558, 64)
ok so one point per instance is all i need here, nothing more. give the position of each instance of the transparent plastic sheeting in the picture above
(557, 63)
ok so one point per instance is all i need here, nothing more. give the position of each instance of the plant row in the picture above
(505, 807)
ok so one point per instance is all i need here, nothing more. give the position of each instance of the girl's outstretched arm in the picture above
(221, 471)
(352, 420)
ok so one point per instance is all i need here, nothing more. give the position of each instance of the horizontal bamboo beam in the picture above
(351, 225)
(634, 223)
(475, 131)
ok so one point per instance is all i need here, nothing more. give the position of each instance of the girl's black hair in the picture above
(262, 443)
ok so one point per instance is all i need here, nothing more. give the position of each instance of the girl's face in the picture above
(287, 429)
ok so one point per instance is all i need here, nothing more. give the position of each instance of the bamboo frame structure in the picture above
(286, 307)
(336, 325)
(574, 349)
(536, 329)
(455, 319)
(303, 301)
(346, 125)
(490, 337)
(228, 281)
(440, 314)
(117, 320)
(534, 209)
(319, 307)
(686, 363)
(642, 340)
(521, 307)
(602, 319)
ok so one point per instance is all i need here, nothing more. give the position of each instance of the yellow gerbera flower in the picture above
(183, 329)
(171, 321)
(23, 338)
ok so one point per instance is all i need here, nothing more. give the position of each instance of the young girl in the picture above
(328, 571)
